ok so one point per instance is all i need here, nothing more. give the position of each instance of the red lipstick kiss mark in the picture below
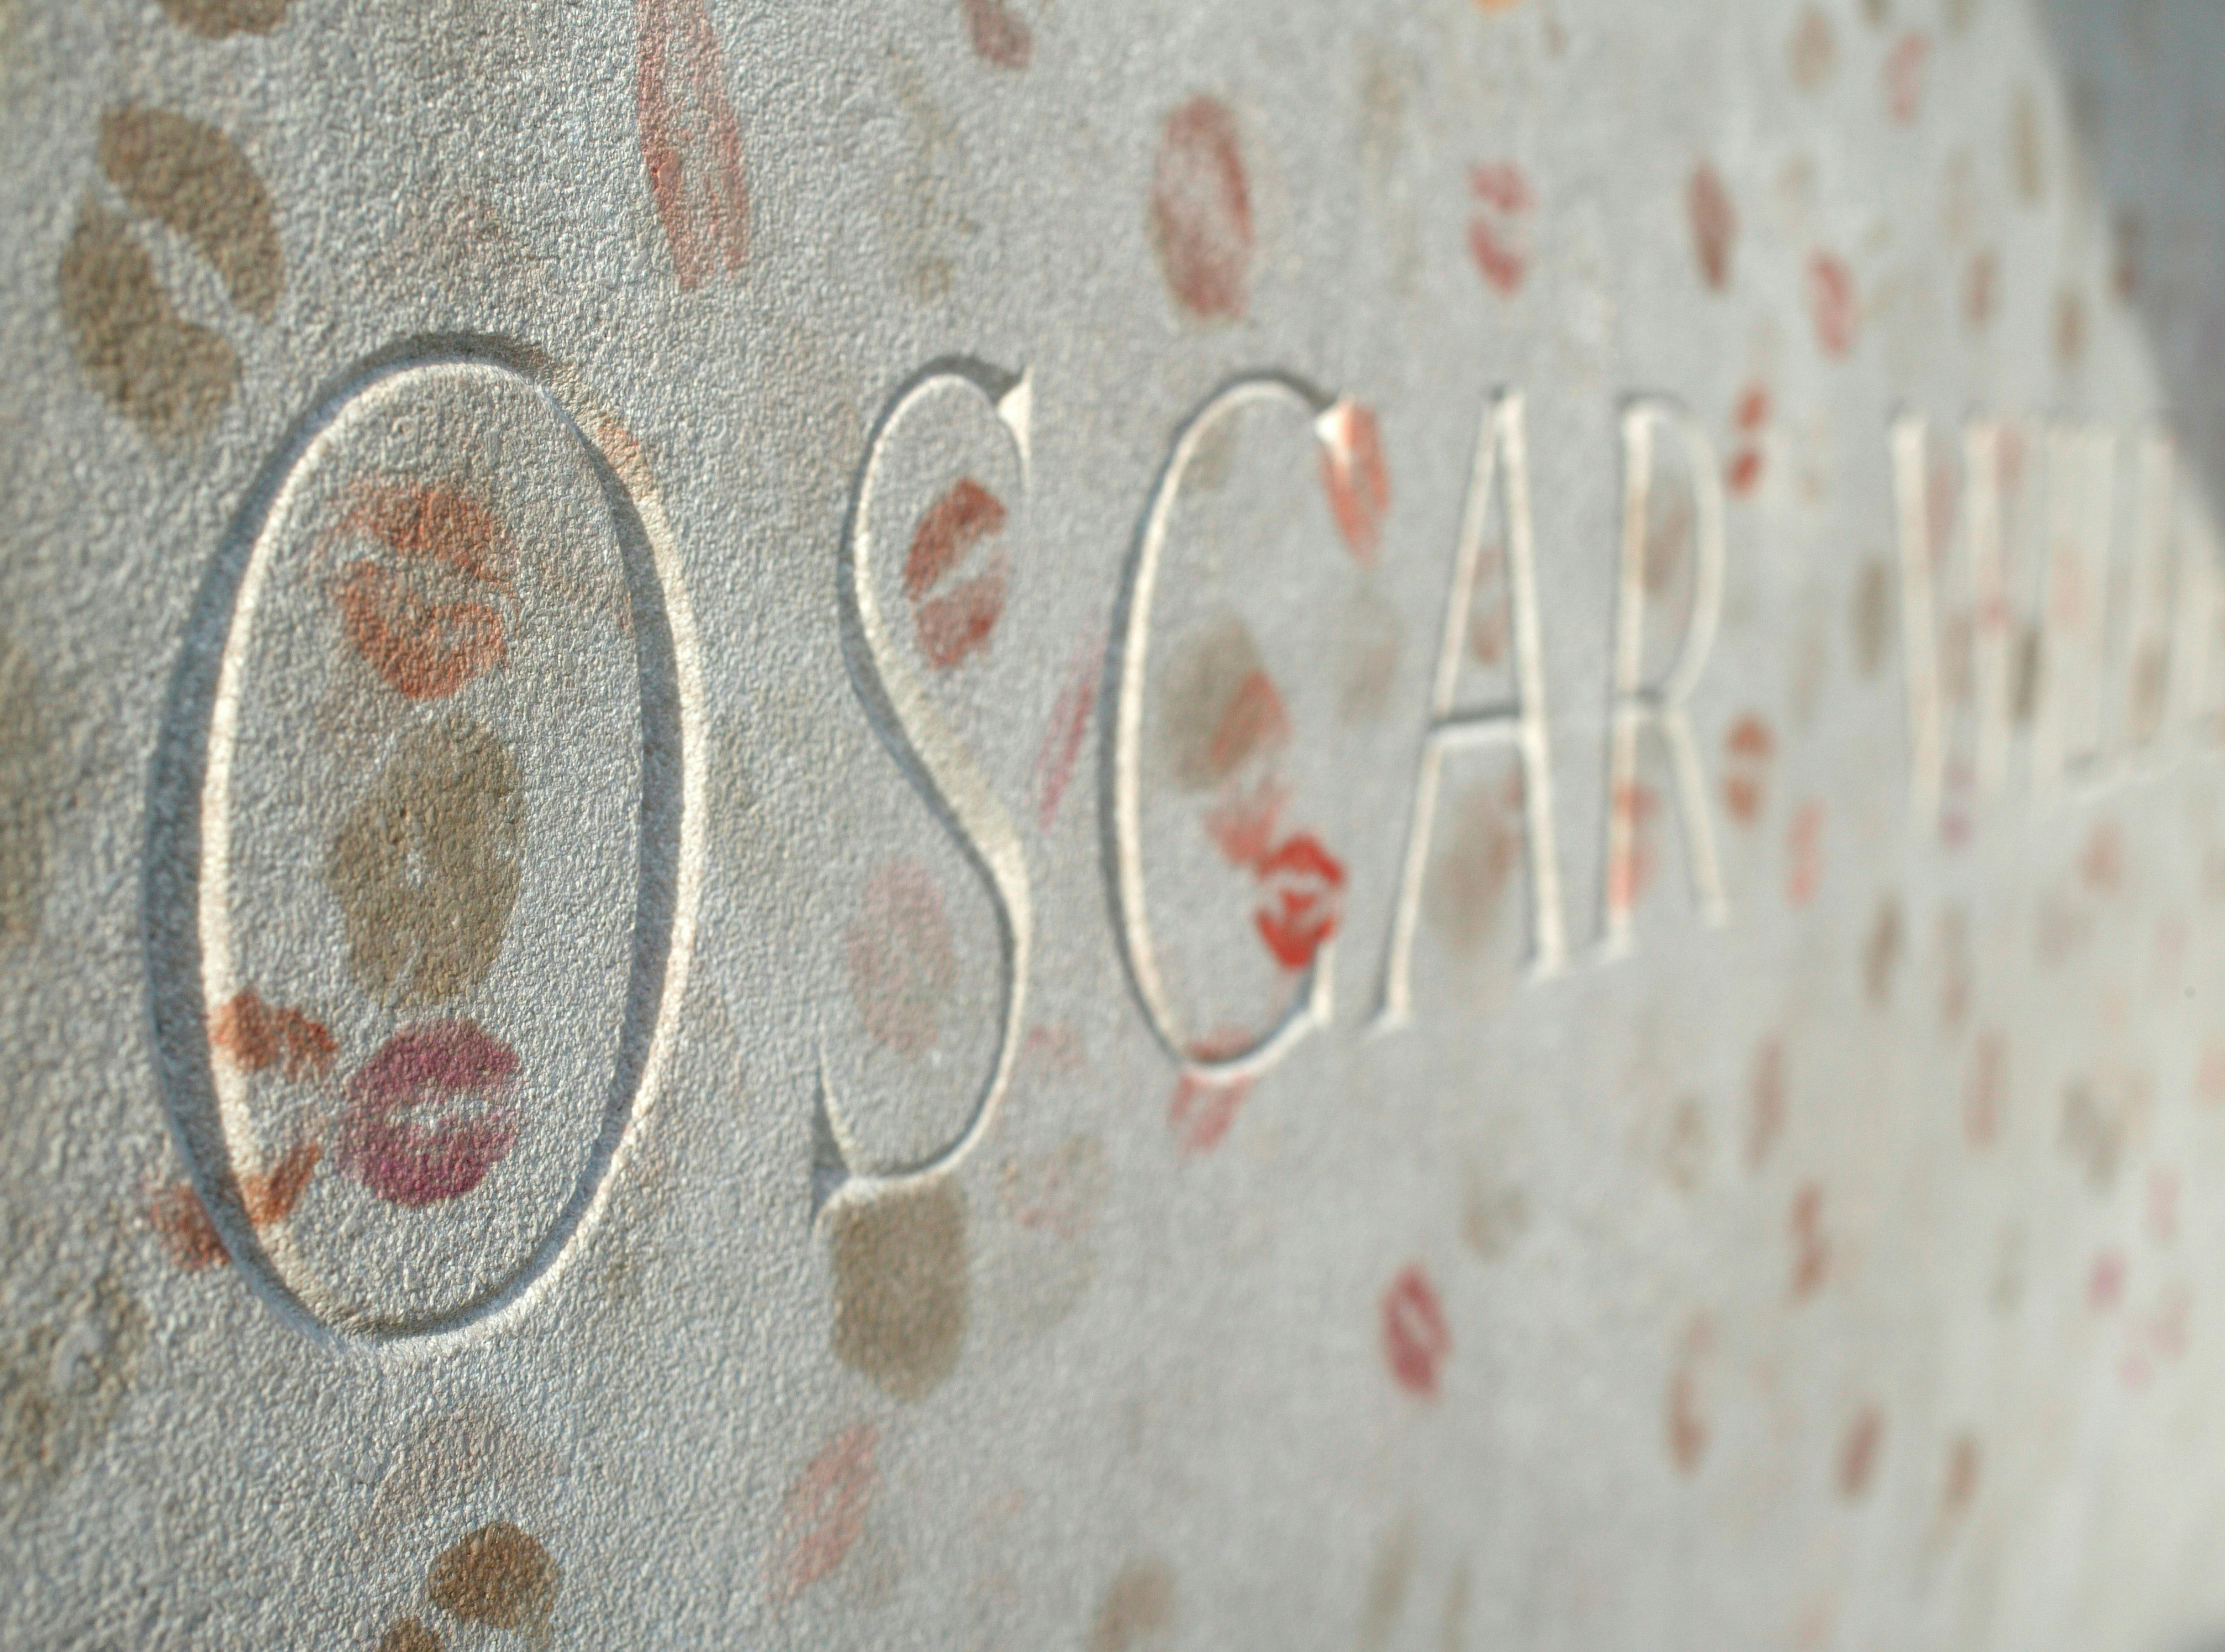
(1714, 225)
(272, 1196)
(1811, 1261)
(1415, 1340)
(998, 37)
(1983, 1097)
(1746, 776)
(1629, 875)
(824, 1512)
(182, 1223)
(1768, 1098)
(955, 622)
(1831, 303)
(1303, 880)
(1859, 1452)
(1744, 472)
(1201, 212)
(1804, 843)
(1904, 76)
(1062, 742)
(411, 1164)
(689, 140)
(1494, 238)
(423, 645)
(1687, 1428)
(1359, 487)
(258, 1036)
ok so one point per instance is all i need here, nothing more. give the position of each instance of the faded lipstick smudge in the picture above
(690, 140)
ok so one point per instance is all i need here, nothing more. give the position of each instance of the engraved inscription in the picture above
(372, 816)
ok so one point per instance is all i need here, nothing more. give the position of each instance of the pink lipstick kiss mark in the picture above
(1201, 217)
(953, 622)
(1493, 239)
(998, 37)
(824, 1512)
(408, 1163)
(1305, 880)
(1415, 1339)
(1359, 487)
(689, 140)
(1831, 303)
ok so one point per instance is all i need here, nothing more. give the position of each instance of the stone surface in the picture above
(989, 824)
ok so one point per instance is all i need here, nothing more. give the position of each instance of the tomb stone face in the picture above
(993, 824)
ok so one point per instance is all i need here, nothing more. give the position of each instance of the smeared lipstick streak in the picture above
(412, 1164)
(1302, 881)
(1415, 1339)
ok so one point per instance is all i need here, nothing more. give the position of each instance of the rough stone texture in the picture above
(580, 1064)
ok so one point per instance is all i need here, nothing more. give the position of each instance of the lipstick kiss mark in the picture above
(956, 621)
(425, 626)
(1200, 215)
(182, 1223)
(1745, 769)
(1062, 742)
(998, 37)
(168, 375)
(426, 868)
(1303, 882)
(1359, 487)
(191, 176)
(214, 19)
(1743, 472)
(902, 966)
(824, 1512)
(1904, 76)
(258, 1036)
(1714, 225)
(1242, 824)
(1831, 303)
(689, 140)
(1415, 1339)
(1203, 1108)
(433, 1066)
(1494, 237)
